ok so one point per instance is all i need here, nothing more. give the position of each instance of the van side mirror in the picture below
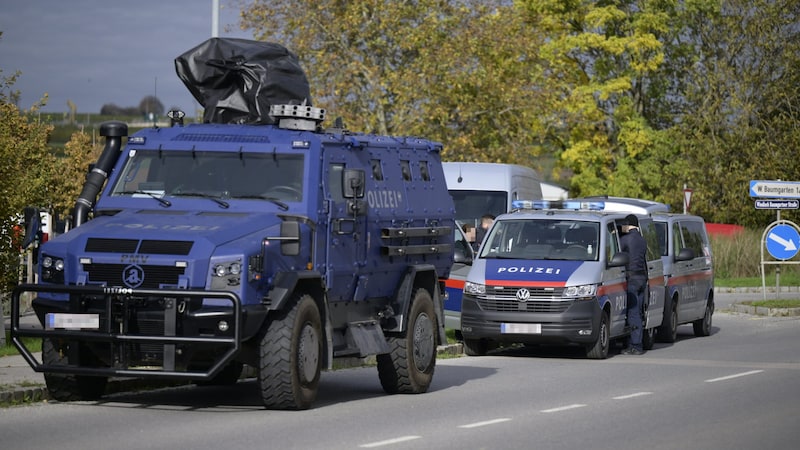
(462, 255)
(353, 181)
(686, 254)
(619, 259)
(290, 238)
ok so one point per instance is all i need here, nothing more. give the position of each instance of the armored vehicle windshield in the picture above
(158, 173)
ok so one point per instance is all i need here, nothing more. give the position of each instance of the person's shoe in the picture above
(632, 351)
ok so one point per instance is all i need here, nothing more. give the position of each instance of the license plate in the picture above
(66, 321)
(521, 328)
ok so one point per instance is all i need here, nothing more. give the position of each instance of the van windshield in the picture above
(212, 174)
(572, 240)
(472, 205)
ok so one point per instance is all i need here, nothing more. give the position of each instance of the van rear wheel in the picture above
(668, 331)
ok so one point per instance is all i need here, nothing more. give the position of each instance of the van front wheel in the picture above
(599, 350)
(702, 327)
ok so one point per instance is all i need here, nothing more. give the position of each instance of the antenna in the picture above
(214, 18)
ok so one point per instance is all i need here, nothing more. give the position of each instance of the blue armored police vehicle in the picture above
(256, 238)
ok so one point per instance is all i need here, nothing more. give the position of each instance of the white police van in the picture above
(553, 273)
(689, 273)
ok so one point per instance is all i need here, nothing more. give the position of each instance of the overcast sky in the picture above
(95, 52)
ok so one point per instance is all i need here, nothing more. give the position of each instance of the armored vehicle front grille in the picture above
(540, 300)
(153, 276)
(111, 245)
(165, 247)
(147, 246)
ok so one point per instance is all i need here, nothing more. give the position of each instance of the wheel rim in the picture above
(604, 335)
(307, 354)
(423, 342)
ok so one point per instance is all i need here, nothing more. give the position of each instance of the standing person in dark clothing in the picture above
(634, 244)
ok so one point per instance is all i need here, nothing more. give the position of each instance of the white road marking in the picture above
(562, 408)
(637, 394)
(743, 374)
(484, 423)
(389, 441)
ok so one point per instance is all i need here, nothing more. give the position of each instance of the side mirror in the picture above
(353, 183)
(619, 259)
(686, 254)
(290, 238)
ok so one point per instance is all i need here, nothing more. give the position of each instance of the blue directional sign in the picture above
(782, 241)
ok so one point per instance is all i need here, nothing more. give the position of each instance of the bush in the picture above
(739, 256)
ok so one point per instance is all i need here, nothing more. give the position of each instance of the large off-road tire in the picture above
(668, 331)
(476, 347)
(408, 368)
(599, 350)
(291, 357)
(229, 375)
(69, 388)
(702, 327)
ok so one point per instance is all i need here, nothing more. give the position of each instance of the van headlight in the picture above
(582, 291)
(474, 288)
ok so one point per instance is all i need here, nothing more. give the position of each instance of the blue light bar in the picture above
(557, 204)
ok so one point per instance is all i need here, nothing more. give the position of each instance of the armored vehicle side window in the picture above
(423, 171)
(377, 170)
(335, 189)
(405, 168)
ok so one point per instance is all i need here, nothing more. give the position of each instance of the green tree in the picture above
(742, 104)
(604, 55)
(458, 72)
(24, 173)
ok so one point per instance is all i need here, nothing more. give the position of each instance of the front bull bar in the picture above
(107, 335)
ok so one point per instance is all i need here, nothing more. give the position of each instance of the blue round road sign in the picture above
(782, 241)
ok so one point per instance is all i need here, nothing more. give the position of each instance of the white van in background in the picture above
(489, 188)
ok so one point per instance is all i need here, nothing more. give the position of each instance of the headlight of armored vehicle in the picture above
(52, 269)
(582, 291)
(226, 274)
(474, 288)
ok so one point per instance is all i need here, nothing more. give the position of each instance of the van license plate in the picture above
(67, 321)
(521, 328)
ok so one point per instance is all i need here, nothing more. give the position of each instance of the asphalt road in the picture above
(738, 388)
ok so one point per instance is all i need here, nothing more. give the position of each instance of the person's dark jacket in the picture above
(634, 244)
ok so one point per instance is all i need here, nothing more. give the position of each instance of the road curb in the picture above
(16, 395)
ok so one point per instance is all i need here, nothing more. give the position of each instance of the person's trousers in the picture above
(636, 286)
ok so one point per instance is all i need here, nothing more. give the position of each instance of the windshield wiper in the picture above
(274, 200)
(219, 201)
(164, 203)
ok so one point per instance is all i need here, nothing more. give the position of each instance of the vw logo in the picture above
(523, 295)
(133, 276)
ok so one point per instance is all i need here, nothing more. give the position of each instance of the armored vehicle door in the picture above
(345, 255)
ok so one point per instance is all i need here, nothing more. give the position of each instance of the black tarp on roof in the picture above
(236, 80)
